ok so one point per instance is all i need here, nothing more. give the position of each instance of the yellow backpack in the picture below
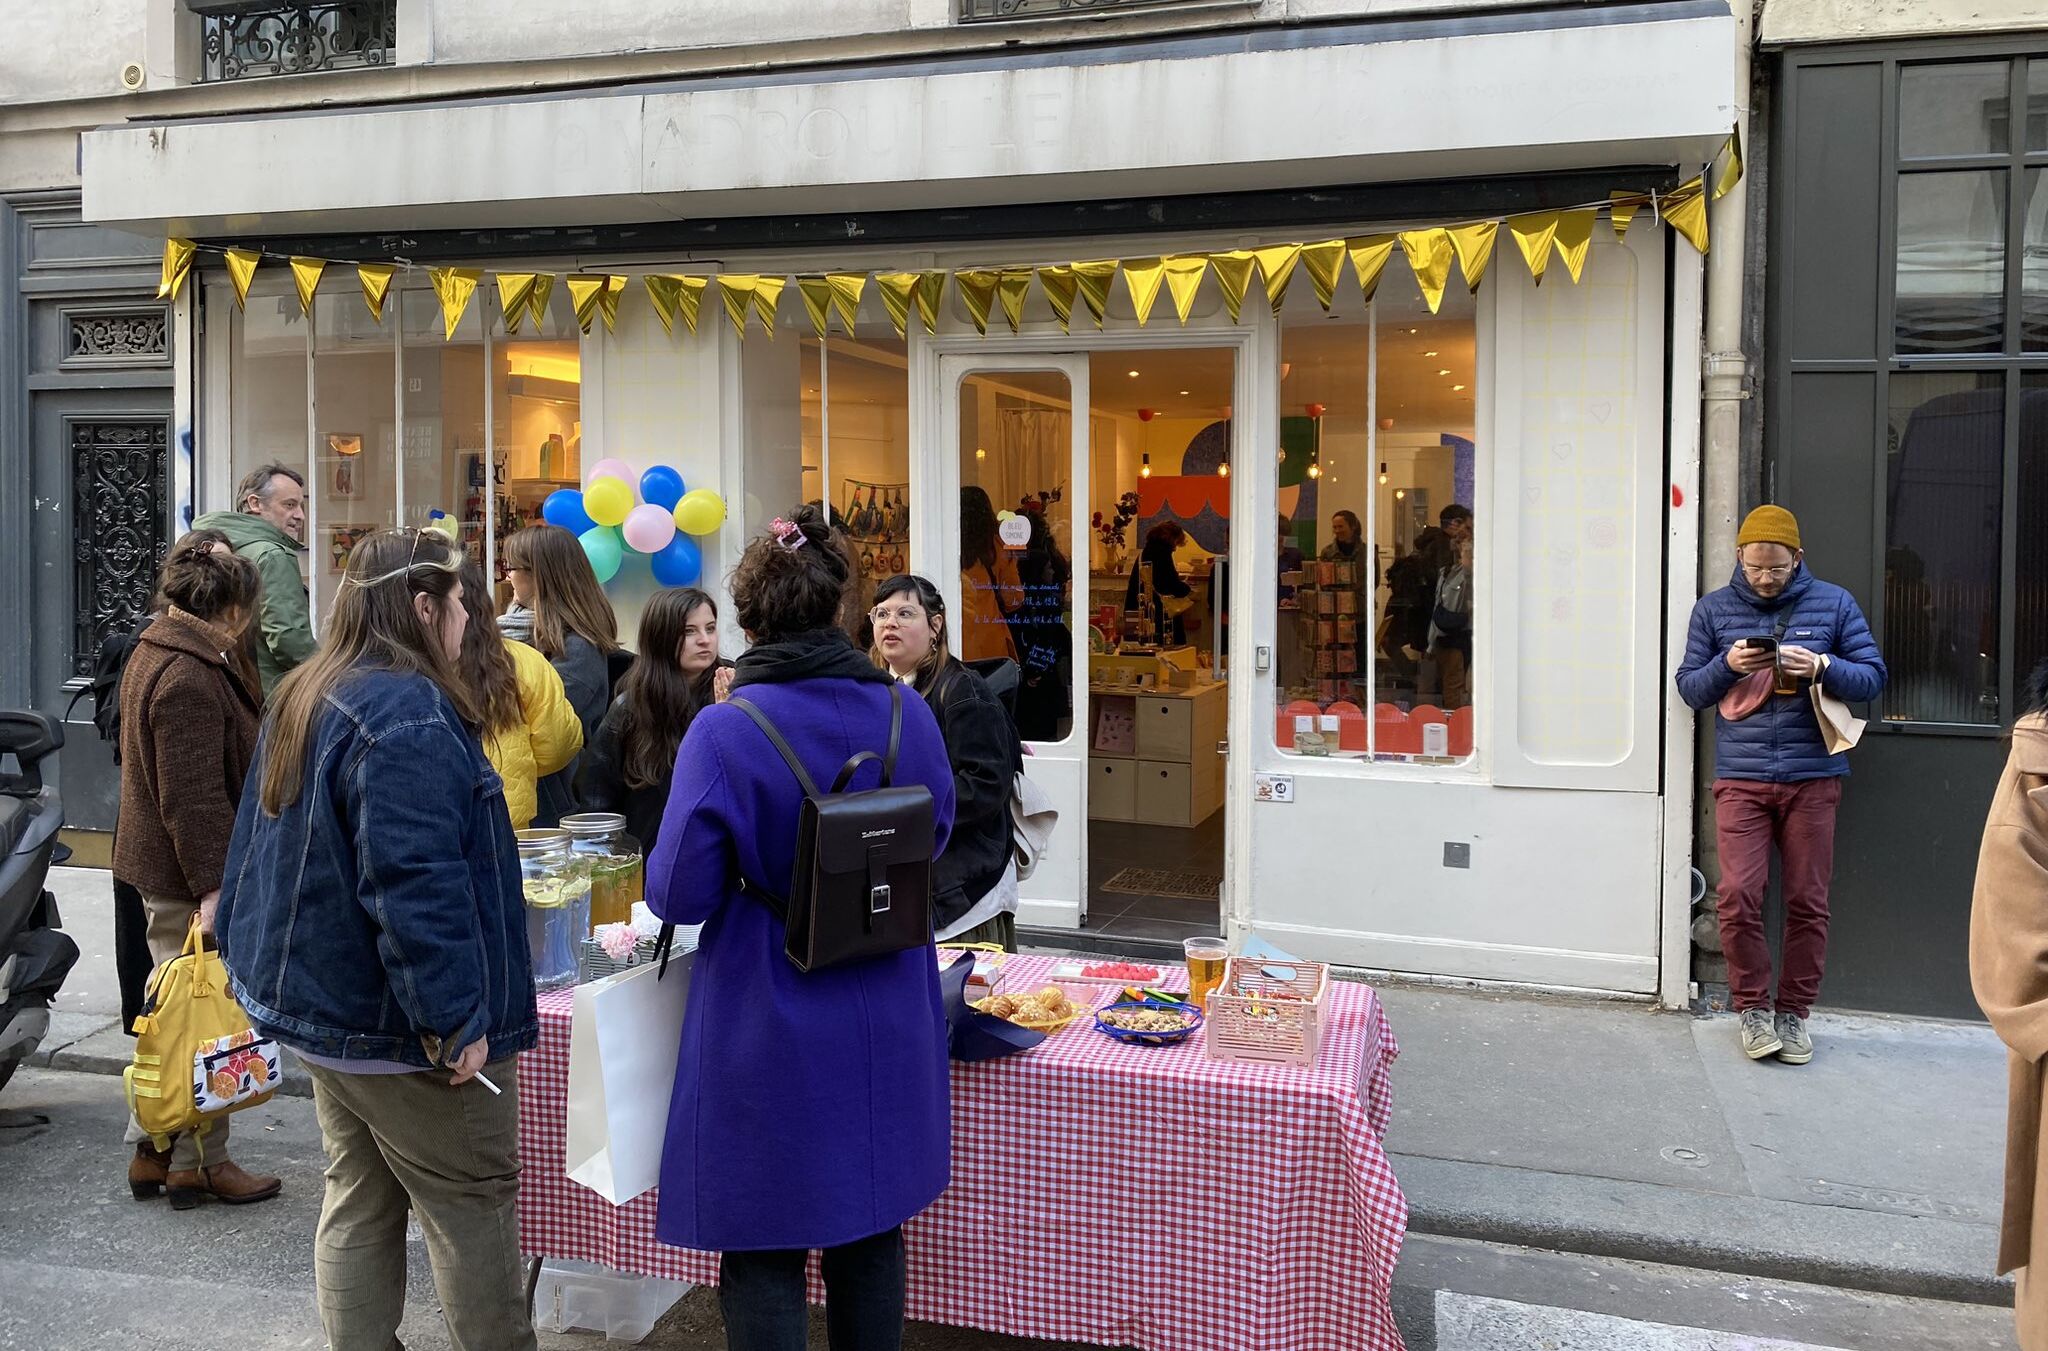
(196, 1057)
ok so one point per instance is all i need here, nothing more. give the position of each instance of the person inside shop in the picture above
(372, 920)
(629, 767)
(974, 883)
(559, 606)
(1450, 627)
(1347, 545)
(268, 527)
(1774, 627)
(1456, 521)
(762, 1165)
(1411, 604)
(529, 728)
(1291, 557)
(189, 712)
(1045, 645)
(990, 591)
(1172, 597)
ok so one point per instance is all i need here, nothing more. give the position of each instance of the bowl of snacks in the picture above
(1146, 1023)
(1047, 1011)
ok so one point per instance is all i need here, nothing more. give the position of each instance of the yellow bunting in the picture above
(1276, 265)
(897, 289)
(1234, 275)
(1430, 253)
(690, 300)
(664, 293)
(608, 301)
(1324, 263)
(242, 271)
(1184, 278)
(454, 286)
(306, 274)
(584, 293)
(1534, 234)
(817, 294)
(1094, 280)
(738, 294)
(1060, 285)
(177, 266)
(931, 288)
(376, 280)
(846, 288)
(1144, 277)
(1621, 211)
(1013, 287)
(978, 289)
(767, 295)
(537, 303)
(1574, 238)
(1731, 167)
(1474, 244)
(1369, 255)
(1686, 211)
(515, 296)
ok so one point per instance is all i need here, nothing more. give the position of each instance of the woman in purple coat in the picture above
(811, 1110)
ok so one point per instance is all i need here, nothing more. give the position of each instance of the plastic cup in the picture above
(1206, 958)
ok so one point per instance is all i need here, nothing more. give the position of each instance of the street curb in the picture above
(80, 1059)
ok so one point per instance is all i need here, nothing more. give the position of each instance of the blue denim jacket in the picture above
(384, 905)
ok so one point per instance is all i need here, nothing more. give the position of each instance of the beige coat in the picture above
(2009, 970)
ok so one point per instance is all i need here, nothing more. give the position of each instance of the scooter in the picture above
(35, 955)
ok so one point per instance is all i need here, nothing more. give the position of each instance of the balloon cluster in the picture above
(608, 519)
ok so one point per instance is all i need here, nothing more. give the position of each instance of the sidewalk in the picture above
(1590, 1127)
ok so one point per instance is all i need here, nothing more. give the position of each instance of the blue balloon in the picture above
(564, 507)
(662, 487)
(680, 564)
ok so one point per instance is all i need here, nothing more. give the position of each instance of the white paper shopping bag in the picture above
(623, 1036)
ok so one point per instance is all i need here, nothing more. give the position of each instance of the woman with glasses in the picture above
(974, 883)
(371, 919)
(529, 729)
(559, 606)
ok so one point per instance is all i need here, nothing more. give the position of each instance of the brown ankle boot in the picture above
(148, 1170)
(227, 1182)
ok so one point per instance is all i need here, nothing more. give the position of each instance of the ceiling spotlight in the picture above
(1460, 388)
(980, 453)
(1413, 331)
(1443, 372)
(1429, 354)
(1183, 394)
(1134, 375)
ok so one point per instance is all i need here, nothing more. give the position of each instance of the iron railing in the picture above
(243, 40)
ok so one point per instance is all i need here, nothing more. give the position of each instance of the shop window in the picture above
(1375, 643)
(536, 413)
(267, 383)
(862, 441)
(356, 456)
(2034, 263)
(1951, 261)
(1943, 514)
(1954, 109)
(2030, 574)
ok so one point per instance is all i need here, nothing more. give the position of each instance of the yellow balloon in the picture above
(699, 513)
(607, 501)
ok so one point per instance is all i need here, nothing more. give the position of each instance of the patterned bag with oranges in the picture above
(196, 1057)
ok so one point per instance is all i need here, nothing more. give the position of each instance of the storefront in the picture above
(1484, 791)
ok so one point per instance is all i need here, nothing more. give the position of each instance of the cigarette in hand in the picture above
(484, 1079)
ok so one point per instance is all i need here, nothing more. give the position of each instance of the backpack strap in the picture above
(852, 766)
(768, 729)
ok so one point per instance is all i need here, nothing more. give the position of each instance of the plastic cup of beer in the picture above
(1206, 959)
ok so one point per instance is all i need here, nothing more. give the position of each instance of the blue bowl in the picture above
(1133, 1038)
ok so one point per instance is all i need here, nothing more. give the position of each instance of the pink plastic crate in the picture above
(1245, 1022)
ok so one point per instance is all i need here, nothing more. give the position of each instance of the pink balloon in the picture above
(649, 529)
(612, 468)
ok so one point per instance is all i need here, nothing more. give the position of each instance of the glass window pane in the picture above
(1942, 513)
(2030, 581)
(2034, 267)
(443, 467)
(2037, 105)
(536, 416)
(1951, 264)
(869, 381)
(1954, 109)
(355, 472)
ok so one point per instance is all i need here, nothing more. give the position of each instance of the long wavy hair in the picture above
(484, 662)
(567, 597)
(374, 626)
(658, 699)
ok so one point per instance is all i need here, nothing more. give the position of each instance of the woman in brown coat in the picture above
(189, 713)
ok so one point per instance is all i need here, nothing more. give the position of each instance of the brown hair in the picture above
(209, 586)
(934, 606)
(657, 700)
(566, 595)
(191, 542)
(484, 663)
(779, 591)
(373, 626)
(257, 483)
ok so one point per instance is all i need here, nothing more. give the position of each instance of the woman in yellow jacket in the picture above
(530, 730)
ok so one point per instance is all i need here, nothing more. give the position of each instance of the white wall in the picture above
(72, 49)
(1801, 21)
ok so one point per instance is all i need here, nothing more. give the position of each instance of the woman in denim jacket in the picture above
(371, 919)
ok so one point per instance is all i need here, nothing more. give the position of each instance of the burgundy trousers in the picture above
(1751, 817)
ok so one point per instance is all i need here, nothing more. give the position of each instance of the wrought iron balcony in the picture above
(244, 39)
(998, 11)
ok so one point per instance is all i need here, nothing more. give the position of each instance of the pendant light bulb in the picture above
(1145, 469)
(1315, 471)
(1224, 469)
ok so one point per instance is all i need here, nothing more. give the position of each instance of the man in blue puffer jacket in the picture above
(1776, 782)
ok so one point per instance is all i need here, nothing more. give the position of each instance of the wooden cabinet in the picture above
(1154, 758)
(1112, 789)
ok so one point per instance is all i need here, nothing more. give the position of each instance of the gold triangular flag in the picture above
(1144, 277)
(1276, 265)
(897, 289)
(1324, 263)
(177, 266)
(931, 289)
(454, 286)
(1534, 234)
(666, 293)
(1234, 275)
(1731, 167)
(738, 293)
(376, 280)
(515, 295)
(1013, 287)
(1369, 255)
(1621, 211)
(817, 294)
(846, 288)
(306, 273)
(690, 299)
(1060, 285)
(608, 301)
(1094, 280)
(767, 295)
(1574, 238)
(1474, 244)
(1184, 278)
(242, 271)
(1430, 253)
(537, 303)
(978, 289)
(1686, 212)
(583, 297)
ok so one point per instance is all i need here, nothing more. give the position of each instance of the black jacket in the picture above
(601, 778)
(981, 744)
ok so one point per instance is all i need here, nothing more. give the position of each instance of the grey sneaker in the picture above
(1795, 1045)
(1759, 1038)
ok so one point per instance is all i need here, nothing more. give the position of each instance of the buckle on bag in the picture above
(878, 899)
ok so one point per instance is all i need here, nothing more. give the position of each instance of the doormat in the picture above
(1183, 886)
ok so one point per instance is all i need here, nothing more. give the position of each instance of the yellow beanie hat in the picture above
(1769, 525)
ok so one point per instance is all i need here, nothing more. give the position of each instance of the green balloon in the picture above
(604, 549)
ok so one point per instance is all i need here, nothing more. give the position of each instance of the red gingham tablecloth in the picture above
(1116, 1195)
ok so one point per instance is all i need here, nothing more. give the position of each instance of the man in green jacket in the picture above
(267, 527)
